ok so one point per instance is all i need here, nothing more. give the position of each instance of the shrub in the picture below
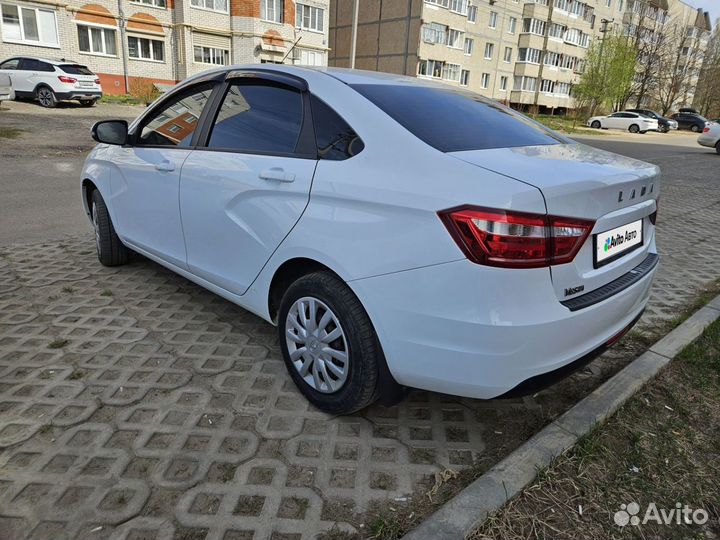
(143, 90)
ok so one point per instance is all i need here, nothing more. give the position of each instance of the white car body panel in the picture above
(445, 323)
(615, 122)
(711, 137)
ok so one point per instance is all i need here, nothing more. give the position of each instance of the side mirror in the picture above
(110, 132)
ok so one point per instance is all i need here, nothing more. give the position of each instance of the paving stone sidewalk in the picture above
(134, 404)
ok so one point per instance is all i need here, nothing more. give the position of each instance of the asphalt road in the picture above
(39, 170)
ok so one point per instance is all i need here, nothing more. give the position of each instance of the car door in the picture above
(22, 76)
(146, 178)
(9, 67)
(682, 120)
(614, 121)
(242, 194)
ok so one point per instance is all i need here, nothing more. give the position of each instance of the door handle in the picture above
(277, 173)
(165, 166)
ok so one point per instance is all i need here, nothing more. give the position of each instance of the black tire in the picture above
(695, 128)
(634, 128)
(110, 250)
(46, 97)
(595, 124)
(717, 147)
(88, 102)
(364, 353)
(664, 129)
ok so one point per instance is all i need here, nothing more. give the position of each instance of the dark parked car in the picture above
(693, 122)
(664, 124)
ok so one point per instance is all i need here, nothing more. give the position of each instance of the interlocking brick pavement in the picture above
(134, 404)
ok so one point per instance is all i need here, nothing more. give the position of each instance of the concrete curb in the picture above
(506, 479)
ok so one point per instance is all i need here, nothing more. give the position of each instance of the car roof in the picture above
(53, 61)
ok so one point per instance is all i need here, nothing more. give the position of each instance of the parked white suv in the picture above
(49, 81)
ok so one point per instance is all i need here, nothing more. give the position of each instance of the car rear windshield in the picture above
(454, 120)
(75, 69)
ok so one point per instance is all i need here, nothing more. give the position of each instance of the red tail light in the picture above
(97, 81)
(706, 129)
(515, 239)
(66, 79)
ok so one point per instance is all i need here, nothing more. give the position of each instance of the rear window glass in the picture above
(75, 69)
(453, 120)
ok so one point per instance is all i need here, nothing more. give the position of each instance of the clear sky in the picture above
(713, 6)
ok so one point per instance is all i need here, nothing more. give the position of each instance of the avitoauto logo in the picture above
(618, 239)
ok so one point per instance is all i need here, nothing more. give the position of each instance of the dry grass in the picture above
(7, 132)
(661, 447)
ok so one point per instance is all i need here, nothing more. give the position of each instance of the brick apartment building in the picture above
(522, 52)
(164, 40)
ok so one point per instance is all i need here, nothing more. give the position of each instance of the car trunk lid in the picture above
(582, 182)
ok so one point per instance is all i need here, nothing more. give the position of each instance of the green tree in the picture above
(608, 77)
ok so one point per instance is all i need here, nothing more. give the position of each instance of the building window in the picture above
(441, 3)
(534, 26)
(97, 40)
(512, 24)
(434, 33)
(489, 48)
(430, 68)
(563, 89)
(213, 5)
(211, 55)
(464, 77)
(271, 10)
(472, 13)
(507, 58)
(552, 59)
(459, 6)
(503, 83)
(556, 30)
(309, 17)
(531, 56)
(454, 38)
(524, 84)
(451, 72)
(484, 80)
(156, 3)
(492, 21)
(547, 86)
(29, 25)
(469, 46)
(311, 58)
(146, 49)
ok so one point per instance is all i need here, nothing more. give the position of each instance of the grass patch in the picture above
(660, 447)
(124, 99)
(565, 124)
(106, 292)
(7, 132)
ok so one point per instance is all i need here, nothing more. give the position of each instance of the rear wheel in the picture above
(634, 128)
(695, 128)
(717, 147)
(46, 97)
(329, 344)
(110, 250)
(595, 124)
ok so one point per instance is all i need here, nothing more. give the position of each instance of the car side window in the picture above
(335, 139)
(258, 117)
(10, 64)
(174, 123)
(44, 66)
(28, 64)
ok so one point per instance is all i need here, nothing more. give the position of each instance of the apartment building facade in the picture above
(164, 40)
(521, 52)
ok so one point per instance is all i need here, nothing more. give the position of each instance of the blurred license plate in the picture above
(86, 83)
(615, 243)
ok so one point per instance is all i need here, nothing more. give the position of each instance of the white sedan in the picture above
(399, 232)
(627, 121)
(711, 136)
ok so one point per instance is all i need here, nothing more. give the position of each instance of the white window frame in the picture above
(23, 40)
(503, 83)
(430, 64)
(459, 6)
(489, 50)
(203, 4)
(441, 3)
(507, 55)
(468, 46)
(451, 72)
(485, 81)
(272, 10)
(464, 77)
(547, 86)
(104, 28)
(152, 49)
(530, 55)
(472, 13)
(434, 33)
(214, 52)
(301, 17)
(525, 83)
(455, 43)
(512, 25)
(492, 20)
(151, 3)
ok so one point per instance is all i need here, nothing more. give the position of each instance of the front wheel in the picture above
(634, 128)
(46, 97)
(595, 124)
(110, 250)
(329, 344)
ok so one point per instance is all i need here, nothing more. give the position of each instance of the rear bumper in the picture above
(708, 140)
(475, 331)
(79, 94)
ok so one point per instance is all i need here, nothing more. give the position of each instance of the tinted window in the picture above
(75, 69)
(335, 139)
(174, 123)
(10, 64)
(452, 120)
(258, 118)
